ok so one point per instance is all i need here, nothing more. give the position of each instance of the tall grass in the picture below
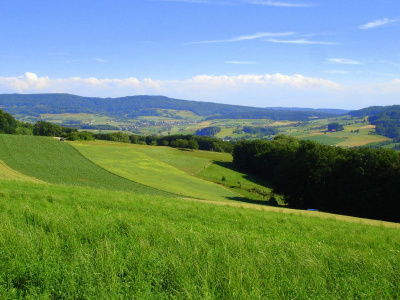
(83, 243)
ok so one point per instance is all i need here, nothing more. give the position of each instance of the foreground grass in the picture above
(71, 242)
(53, 161)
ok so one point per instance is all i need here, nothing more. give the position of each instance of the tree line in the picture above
(177, 141)
(358, 182)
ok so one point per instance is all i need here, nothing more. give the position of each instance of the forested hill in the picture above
(132, 106)
(36, 104)
(374, 110)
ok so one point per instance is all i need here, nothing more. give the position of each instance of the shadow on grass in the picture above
(252, 178)
(259, 202)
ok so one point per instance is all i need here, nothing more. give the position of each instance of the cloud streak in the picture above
(378, 23)
(300, 42)
(343, 61)
(238, 62)
(255, 36)
(280, 4)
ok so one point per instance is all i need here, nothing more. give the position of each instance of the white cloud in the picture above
(254, 36)
(340, 72)
(378, 23)
(238, 62)
(247, 89)
(300, 42)
(280, 4)
(100, 60)
(344, 61)
(31, 83)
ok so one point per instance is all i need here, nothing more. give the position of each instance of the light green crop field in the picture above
(210, 166)
(52, 161)
(126, 161)
(163, 167)
(64, 242)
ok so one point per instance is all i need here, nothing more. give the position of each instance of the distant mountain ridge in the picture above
(37, 104)
(323, 110)
(117, 107)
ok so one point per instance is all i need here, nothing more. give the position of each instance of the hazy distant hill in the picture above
(35, 104)
(323, 110)
(374, 110)
(278, 115)
(132, 106)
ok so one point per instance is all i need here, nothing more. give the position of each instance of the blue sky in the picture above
(309, 53)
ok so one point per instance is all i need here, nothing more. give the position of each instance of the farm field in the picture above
(52, 161)
(357, 131)
(74, 242)
(172, 169)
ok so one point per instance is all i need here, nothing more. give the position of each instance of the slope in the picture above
(61, 242)
(125, 160)
(56, 162)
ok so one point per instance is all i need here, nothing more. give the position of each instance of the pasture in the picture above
(84, 243)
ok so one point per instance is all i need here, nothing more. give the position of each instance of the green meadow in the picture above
(124, 233)
(84, 243)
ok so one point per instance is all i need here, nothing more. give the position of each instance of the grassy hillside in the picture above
(82, 243)
(125, 160)
(172, 169)
(53, 161)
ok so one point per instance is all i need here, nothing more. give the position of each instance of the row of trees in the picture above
(177, 141)
(358, 182)
(208, 131)
(260, 130)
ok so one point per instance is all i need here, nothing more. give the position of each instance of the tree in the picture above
(192, 144)
(335, 127)
(223, 179)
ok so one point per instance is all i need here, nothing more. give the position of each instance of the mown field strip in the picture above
(7, 173)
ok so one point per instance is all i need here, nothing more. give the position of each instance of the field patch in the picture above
(57, 162)
(7, 173)
(324, 139)
(128, 162)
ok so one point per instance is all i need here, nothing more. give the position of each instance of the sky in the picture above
(302, 53)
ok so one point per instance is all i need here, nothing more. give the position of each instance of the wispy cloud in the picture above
(339, 72)
(238, 62)
(100, 60)
(255, 36)
(280, 4)
(300, 42)
(185, 1)
(379, 23)
(343, 61)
